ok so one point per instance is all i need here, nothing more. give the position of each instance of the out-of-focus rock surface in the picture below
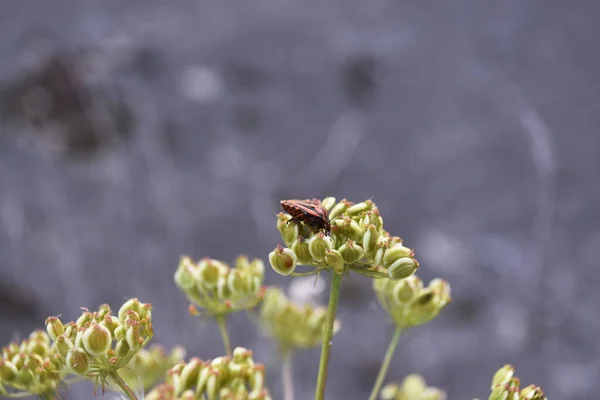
(134, 132)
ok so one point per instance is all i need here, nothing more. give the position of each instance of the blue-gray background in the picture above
(136, 131)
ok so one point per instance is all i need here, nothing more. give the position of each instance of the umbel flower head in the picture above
(30, 367)
(99, 343)
(148, 367)
(292, 326)
(218, 289)
(505, 386)
(408, 302)
(413, 387)
(237, 377)
(357, 242)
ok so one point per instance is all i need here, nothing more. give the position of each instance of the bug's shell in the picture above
(308, 211)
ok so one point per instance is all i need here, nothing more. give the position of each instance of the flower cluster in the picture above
(413, 387)
(238, 377)
(30, 367)
(219, 289)
(150, 366)
(98, 343)
(291, 325)
(505, 386)
(357, 242)
(408, 302)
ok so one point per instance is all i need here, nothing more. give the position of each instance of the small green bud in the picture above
(318, 244)
(404, 291)
(283, 260)
(413, 385)
(257, 267)
(208, 273)
(120, 332)
(242, 263)
(369, 240)
(8, 371)
(84, 318)
(237, 281)
(131, 304)
(532, 392)
(402, 268)
(54, 327)
(395, 253)
(25, 377)
(63, 345)
(503, 376)
(132, 335)
(389, 391)
(223, 290)
(338, 209)
(348, 227)
(78, 361)
(289, 231)
(351, 252)
(122, 348)
(212, 385)
(183, 275)
(334, 259)
(257, 377)
(359, 208)
(300, 247)
(97, 340)
(111, 323)
(189, 374)
(328, 202)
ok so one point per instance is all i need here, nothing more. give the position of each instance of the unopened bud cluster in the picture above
(505, 386)
(408, 302)
(99, 342)
(218, 289)
(30, 367)
(413, 387)
(148, 367)
(358, 242)
(237, 377)
(292, 326)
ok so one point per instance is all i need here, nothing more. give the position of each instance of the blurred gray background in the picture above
(133, 132)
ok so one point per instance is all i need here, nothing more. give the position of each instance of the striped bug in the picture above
(311, 212)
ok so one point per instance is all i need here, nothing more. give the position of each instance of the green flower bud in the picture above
(413, 385)
(25, 377)
(300, 247)
(63, 345)
(289, 231)
(351, 252)
(283, 260)
(532, 392)
(54, 327)
(348, 227)
(131, 304)
(257, 377)
(132, 335)
(37, 347)
(223, 290)
(334, 259)
(85, 317)
(257, 267)
(97, 340)
(208, 273)
(77, 361)
(338, 209)
(212, 385)
(503, 376)
(359, 208)
(189, 374)
(183, 275)
(404, 291)
(237, 281)
(395, 253)
(503, 392)
(369, 240)
(111, 323)
(120, 332)
(402, 268)
(318, 244)
(8, 371)
(389, 391)
(242, 263)
(328, 202)
(122, 348)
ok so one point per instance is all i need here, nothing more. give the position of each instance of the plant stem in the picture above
(222, 322)
(287, 376)
(334, 297)
(123, 385)
(386, 363)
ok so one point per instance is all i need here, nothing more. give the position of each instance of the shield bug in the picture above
(311, 212)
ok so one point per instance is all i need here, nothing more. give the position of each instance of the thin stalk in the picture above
(222, 323)
(386, 363)
(116, 378)
(287, 375)
(334, 297)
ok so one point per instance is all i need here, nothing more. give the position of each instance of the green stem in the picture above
(287, 375)
(116, 378)
(334, 297)
(386, 363)
(222, 323)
